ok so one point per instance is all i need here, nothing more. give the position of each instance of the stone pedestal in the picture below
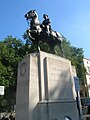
(45, 88)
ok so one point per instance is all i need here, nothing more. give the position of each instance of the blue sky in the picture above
(69, 17)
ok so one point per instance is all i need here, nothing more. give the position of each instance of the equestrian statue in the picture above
(42, 31)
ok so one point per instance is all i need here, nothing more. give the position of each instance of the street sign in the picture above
(1, 90)
(77, 86)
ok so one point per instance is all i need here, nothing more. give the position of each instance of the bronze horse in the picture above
(42, 32)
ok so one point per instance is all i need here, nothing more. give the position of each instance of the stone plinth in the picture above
(45, 88)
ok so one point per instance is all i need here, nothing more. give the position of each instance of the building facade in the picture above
(87, 67)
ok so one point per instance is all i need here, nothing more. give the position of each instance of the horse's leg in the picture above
(61, 48)
(37, 46)
(52, 45)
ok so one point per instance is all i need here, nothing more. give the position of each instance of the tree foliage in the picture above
(12, 50)
(10, 54)
(74, 54)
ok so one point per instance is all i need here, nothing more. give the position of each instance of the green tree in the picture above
(77, 61)
(75, 55)
(11, 52)
(72, 53)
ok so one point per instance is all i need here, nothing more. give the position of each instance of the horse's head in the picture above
(31, 14)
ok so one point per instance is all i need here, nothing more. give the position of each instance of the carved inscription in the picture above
(57, 70)
(58, 79)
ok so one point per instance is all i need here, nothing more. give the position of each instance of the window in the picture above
(88, 68)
